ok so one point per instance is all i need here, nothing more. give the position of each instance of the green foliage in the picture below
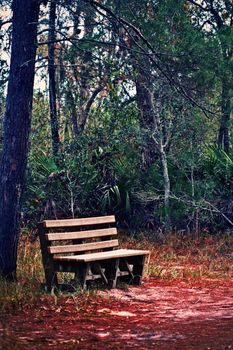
(99, 169)
(218, 168)
(92, 176)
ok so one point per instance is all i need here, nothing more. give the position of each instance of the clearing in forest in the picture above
(188, 305)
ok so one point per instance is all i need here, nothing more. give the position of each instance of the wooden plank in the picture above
(79, 222)
(83, 247)
(114, 254)
(81, 234)
(123, 273)
(93, 277)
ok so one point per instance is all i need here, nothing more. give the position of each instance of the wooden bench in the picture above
(89, 248)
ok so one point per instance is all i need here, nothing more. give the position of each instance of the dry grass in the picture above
(24, 292)
(183, 257)
(175, 258)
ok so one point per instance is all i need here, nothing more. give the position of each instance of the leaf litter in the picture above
(160, 314)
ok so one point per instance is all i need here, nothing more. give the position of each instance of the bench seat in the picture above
(119, 253)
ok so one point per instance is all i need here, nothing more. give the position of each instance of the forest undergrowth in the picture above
(172, 258)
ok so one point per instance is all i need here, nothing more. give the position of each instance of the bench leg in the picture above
(126, 271)
(81, 275)
(101, 271)
(138, 269)
(50, 278)
(112, 271)
(50, 273)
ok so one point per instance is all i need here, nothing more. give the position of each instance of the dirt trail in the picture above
(160, 315)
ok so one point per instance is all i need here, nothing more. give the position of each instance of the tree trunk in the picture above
(84, 112)
(223, 136)
(86, 72)
(152, 128)
(167, 186)
(143, 85)
(160, 144)
(73, 113)
(16, 130)
(52, 81)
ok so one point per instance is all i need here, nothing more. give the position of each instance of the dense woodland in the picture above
(130, 114)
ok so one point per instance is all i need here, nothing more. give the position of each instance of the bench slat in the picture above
(83, 247)
(119, 253)
(81, 234)
(79, 222)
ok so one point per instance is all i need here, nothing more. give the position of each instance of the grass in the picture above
(183, 257)
(174, 258)
(24, 292)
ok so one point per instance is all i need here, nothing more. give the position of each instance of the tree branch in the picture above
(92, 99)
(199, 5)
(3, 23)
(216, 15)
(125, 24)
(127, 102)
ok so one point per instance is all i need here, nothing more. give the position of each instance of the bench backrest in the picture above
(79, 236)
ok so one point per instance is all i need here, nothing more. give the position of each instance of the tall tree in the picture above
(52, 79)
(84, 74)
(216, 18)
(144, 83)
(16, 129)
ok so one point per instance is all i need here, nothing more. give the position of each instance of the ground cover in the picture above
(186, 302)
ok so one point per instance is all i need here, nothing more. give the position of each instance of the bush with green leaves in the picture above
(90, 177)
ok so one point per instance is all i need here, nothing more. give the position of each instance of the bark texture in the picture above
(16, 130)
(160, 144)
(52, 81)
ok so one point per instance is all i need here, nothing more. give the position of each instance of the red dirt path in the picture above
(160, 315)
